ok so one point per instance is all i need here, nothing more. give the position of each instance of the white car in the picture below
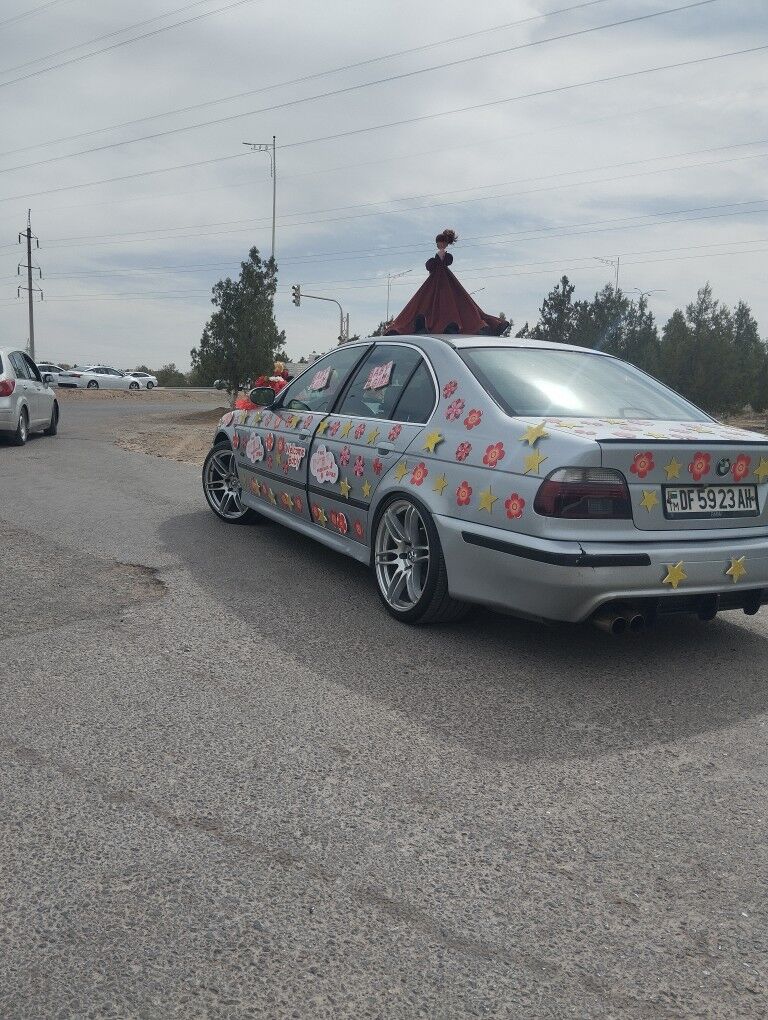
(48, 368)
(27, 402)
(96, 377)
(144, 379)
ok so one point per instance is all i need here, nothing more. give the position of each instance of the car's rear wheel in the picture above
(409, 564)
(133, 386)
(150, 385)
(53, 427)
(92, 384)
(21, 434)
(222, 488)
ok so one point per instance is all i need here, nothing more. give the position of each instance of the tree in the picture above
(144, 368)
(382, 328)
(169, 375)
(241, 338)
(558, 314)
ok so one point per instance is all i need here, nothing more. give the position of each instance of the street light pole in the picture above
(614, 263)
(390, 278)
(647, 293)
(271, 151)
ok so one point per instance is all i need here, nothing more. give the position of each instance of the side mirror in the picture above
(47, 379)
(262, 396)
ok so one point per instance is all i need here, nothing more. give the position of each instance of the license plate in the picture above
(706, 501)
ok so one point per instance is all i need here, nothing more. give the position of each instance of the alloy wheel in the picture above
(222, 485)
(402, 555)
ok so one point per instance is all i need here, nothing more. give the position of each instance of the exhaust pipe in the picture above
(637, 623)
(611, 622)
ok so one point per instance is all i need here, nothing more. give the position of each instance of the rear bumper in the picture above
(569, 581)
(8, 419)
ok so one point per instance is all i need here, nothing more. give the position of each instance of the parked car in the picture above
(541, 479)
(96, 377)
(48, 368)
(144, 379)
(27, 402)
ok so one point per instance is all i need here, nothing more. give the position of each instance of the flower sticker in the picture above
(334, 427)
(454, 410)
(280, 445)
(450, 388)
(307, 423)
(474, 418)
(344, 456)
(394, 432)
(357, 527)
(235, 441)
(699, 466)
(420, 472)
(227, 418)
(270, 460)
(463, 451)
(514, 505)
(359, 467)
(464, 494)
(359, 430)
(342, 524)
(642, 464)
(269, 441)
(740, 467)
(378, 466)
(298, 504)
(493, 454)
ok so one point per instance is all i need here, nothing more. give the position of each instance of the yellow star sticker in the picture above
(293, 421)
(533, 462)
(487, 499)
(322, 427)
(272, 497)
(673, 468)
(366, 488)
(278, 457)
(321, 516)
(345, 487)
(345, 430)
(440, 483)
(432, 441)
(373, 435)
(401, 471)
(649, 500)
(533, 433)
(761, 471)
(675, 574)
(737, 570)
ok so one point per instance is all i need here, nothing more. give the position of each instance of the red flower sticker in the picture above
(514, 505)
(334, 427)
(359, 430)
(359, 467)
(357, 527)
(463, 451)
(493, 454)
(394, 432)
(298, 504)
(642, 464)
(270, 461)
(464, 494)
(699, 466)
(740, 467)
(474, 418)
(341, 523)
(332, 516)
(280, 445)
(450, 388)
(307, 423)
(454, 410)
(344, 456)
(420, 472)
(235, 441)
(378, 466)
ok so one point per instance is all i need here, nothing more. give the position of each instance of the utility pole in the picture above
(343, 319)
(390, 278)
(614, 263)
(271, 151)
(30, 288)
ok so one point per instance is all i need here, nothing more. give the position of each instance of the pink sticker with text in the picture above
(379, 377)
(320, 379)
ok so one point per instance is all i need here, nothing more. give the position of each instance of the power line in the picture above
(409, 74)
(126, 42)
(295, 81)
(31, 13)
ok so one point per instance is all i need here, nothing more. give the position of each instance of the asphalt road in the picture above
(231, 786)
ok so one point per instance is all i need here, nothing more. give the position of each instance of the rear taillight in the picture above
(585, 494)
(7, 386)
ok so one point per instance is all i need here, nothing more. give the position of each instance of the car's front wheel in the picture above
(53, 426)
(133, 386)
(409, 564)
(222, 488)
(92, 384)
(150, 385)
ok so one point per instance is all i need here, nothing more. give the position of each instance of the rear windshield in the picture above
(535, 382)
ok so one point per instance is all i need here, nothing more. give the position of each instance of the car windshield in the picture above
(536, 382)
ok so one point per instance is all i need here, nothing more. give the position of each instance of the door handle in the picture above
(385, 448)
(304, 436)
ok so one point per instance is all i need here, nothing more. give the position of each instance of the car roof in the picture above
(461, 342)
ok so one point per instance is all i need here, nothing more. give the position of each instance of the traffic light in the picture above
(296, 291)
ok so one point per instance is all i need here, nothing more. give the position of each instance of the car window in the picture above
(32, 369)
(379, 382)
(317, 389)
(417, 401)
(19, 365)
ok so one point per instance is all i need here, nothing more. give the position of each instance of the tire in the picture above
(410, 569)
(53, 428)
(150, 385)
(131, 386)
(21, 434)
(92, 385)
(222, 496)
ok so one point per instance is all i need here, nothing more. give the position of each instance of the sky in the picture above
(552, 135)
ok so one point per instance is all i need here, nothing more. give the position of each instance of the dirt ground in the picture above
(186, 435)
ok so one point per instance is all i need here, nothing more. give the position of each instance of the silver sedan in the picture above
(544, 480)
